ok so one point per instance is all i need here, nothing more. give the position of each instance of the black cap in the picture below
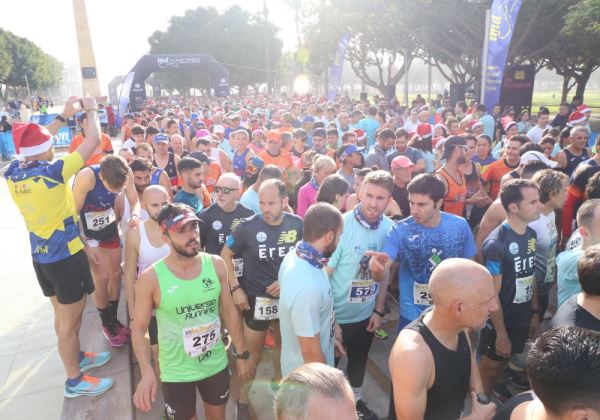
(201, 156)
(450, 143)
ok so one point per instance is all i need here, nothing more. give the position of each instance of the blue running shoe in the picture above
(88, 386)
(93, 360)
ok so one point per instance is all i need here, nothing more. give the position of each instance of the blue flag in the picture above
(335, 72)
(501, 28)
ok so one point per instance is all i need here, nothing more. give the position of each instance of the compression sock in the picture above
(113, 305)
(105, 316)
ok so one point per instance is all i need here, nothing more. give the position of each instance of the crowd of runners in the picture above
(298, 225)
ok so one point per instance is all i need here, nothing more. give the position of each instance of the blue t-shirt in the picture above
(305, 310)
(354, 291)
(369, 126)
(420, 249)
(191, 200)
(226, 147)
(250, 200)
(489, 125)
(566, 274)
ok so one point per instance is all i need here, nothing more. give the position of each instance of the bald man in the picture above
(432, 365)
(143, 247)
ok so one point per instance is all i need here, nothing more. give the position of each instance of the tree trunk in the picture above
(581, 84)
(565, 88)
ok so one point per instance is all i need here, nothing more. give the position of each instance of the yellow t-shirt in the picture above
(41, 192)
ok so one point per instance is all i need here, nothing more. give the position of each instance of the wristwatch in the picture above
(244, 356)
(483, 399)
(61, 118)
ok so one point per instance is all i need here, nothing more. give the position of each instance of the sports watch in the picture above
(244, 355)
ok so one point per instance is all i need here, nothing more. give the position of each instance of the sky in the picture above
(119, 28)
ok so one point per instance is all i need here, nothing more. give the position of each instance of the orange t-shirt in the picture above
(283, 161)
(104, 148)
(493, 174)
(212, 176)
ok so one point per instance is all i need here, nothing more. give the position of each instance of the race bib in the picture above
(238, 267)
(98, 220)
(266, 309)
(421, 295)
(551, 267)
(363, 291)
(200, 339)
(524, 289)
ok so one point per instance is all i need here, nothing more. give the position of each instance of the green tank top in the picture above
(189, 327)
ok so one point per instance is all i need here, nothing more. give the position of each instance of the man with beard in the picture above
(402, 149)
(359, 300)
(141, 170)
(262, 241)
(431, 364)
(192, 175)
(306, 300)
(455, 155)
(144, 246)
(188, 291)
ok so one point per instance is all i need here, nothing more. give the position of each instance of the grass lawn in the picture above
(551, 99)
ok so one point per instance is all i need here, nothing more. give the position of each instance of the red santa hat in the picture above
(583, 109)
(576, 118)
(31, 139)
(424, 130)
(360, 134)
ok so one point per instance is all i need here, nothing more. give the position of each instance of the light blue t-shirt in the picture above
(305, 310)
(354, 291)
(420, 249)
(489, 125)
(250, 200)
(566, 274)
(369, 126)
(226, 147)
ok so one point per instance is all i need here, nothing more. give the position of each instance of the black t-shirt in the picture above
(571, 313)
(401, 197)
(262, 248)
(216, 225)
(505, 410)
(512, 255)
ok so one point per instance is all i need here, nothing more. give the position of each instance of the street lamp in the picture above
(27, 81)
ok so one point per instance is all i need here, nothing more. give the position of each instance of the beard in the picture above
(461, 160)
(181, 250)
(141, 188)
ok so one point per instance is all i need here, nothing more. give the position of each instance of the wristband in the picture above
(92, 243)
(61, 118)
(234, 288)
(381, 314)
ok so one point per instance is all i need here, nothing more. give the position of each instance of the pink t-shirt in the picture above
(307, 196)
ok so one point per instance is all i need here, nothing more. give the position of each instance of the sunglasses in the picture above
(224, 190)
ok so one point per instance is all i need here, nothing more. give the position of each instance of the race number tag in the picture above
(98, 220)
(238, 267)
(266, 309)
(200, 339)
(362, 291)
(524, 289)
(421, 295)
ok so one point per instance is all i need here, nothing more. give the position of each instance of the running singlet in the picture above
(446, 397)
(574, 160)
(216, 225)
(512, 256)
(454, 201)
(155, 178)
(170, 169)
(40, 191)
(420, 249)
(239, 163)
(189, 327)
(262, 248)
(149, 254)
(97, 214)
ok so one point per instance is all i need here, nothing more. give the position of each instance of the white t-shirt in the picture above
(545, 247)
(535, 133)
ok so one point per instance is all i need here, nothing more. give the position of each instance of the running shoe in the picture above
(269, 341)
(501, 393)
(381, 334)
(242, 411)
(113, 336)
(123, 330)
(364, 412)
(518, 379)
(93, 360)
(88, 386)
